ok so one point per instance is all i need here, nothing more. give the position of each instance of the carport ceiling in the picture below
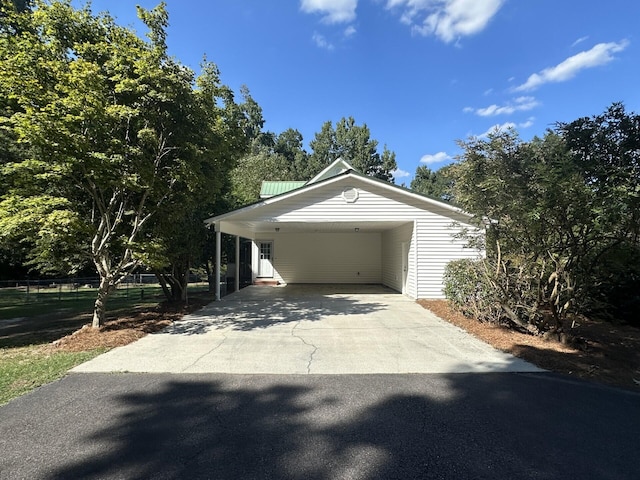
(321, 227)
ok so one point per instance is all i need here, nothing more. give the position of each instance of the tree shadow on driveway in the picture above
(265, 307)
(326, 427)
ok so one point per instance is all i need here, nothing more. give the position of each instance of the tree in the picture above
(115, 129)
(606, 151)
(353, 143)
(177, 238)
(270, 156)
(536, 210)
(436, 184)
(562, 221)
(289, 146)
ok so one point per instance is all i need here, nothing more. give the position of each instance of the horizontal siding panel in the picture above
(327, 204)
(437, 247)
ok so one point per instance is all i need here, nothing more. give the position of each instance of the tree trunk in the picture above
(100, 306)
(174, 285)
(162, 280)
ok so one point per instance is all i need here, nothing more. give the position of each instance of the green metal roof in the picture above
(270, 189)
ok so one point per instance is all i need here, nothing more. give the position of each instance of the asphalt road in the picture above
(458, 426)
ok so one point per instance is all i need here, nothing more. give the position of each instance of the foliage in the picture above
(282, 157)
(115, 130)
(558, 210)
(436, 184)
(177, 236)
(606, 151)
(354, 144)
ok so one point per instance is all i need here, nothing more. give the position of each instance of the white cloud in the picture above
(349, 31)
(502, 127)
(321, 41)
(446, 19)
(528, 123)
(435, 158)
(580, 40)
(600, 54)
(334, 11)
(399, 173)
(520, 104)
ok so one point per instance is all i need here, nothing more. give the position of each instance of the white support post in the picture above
(237, 283)
(218, 255)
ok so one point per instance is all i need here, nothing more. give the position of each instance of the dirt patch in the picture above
(600, 351)
(123, 330)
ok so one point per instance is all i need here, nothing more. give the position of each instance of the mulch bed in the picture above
(603, 352)
(123, 330)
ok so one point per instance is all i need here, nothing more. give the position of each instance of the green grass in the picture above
(18, 303)
(29, 363)
(25, 368)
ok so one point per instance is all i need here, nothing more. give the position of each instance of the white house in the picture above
(345, 227)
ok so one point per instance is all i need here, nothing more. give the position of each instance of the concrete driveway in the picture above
(309, 329)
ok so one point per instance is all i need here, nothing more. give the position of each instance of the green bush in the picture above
(516, 292)
(466, 286)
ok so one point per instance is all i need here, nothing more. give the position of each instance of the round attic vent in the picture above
(350, 194)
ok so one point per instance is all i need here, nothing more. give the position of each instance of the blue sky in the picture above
(420, 73)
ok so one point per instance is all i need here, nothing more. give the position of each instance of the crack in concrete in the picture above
(224, 339)
(315, 349)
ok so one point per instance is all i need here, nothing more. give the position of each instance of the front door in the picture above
(265, 265)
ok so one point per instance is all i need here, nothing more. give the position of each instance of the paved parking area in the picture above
(309, 329)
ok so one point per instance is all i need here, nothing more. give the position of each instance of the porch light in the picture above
(277, 229)
(357, 229)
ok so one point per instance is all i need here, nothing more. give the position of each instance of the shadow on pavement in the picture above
(263, 307)
(330, 427)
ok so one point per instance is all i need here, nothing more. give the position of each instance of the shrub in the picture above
(528, 295)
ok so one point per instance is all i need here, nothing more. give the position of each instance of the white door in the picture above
(405, 266)
(265, 265)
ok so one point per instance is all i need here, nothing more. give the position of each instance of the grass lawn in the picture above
(24, 368)
(30, 321)
(18, 303)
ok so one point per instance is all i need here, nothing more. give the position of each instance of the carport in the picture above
(343, 227)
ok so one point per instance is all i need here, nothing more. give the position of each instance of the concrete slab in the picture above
(309, 329)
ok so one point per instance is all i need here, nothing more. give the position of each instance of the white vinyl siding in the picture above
(328, 257)
(327, 205)
(392, 241)
(437, 247)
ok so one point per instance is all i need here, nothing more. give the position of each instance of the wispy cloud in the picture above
(600, 54)
(520, 104)
(349, 31)
(333, 11)
(446, 19)
(399, 173)
(430, 159)
(322, 42)
(528, 123)
(580, 40)
(502, 127)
